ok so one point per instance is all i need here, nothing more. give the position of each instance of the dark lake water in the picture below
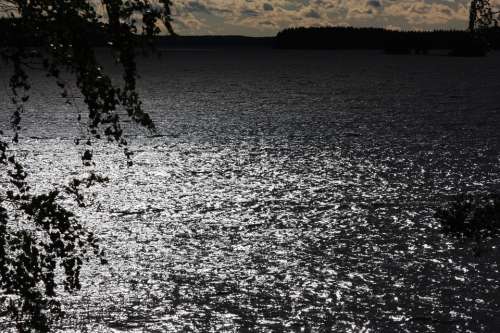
(285, 191)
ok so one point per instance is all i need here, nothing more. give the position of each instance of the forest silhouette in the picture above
(377, 38)
(330, 38)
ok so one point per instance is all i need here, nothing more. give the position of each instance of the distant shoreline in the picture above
(391, 41)
(210, 42)
(319, 38)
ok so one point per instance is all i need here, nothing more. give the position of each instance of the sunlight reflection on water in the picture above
(288, 193)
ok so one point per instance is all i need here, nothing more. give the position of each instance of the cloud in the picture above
(267, 7)
(313, 14)
(266, 17)
(374, 3)
(195, 6)
(249, 12)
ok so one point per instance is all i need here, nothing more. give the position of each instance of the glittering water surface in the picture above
(285, 191)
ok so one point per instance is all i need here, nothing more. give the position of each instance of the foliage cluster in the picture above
(482, 15)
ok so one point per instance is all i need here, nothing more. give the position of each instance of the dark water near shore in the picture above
(286, 190)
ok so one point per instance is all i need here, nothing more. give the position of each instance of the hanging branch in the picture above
(37, 233)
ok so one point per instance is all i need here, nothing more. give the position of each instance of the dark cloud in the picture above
(313, 14)
(295, 4)
(249, 12)
(374, 3)
(194, 6)
(267, 7)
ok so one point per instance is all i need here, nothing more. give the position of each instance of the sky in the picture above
(267, 17)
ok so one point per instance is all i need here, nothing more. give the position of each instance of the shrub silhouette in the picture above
(472, 217)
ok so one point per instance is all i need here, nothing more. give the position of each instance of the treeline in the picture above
(11, 33)
(378, 38)
(397, 42)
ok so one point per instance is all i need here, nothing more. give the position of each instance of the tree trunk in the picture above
(473, 15)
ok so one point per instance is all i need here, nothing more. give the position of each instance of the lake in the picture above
(283, 191)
